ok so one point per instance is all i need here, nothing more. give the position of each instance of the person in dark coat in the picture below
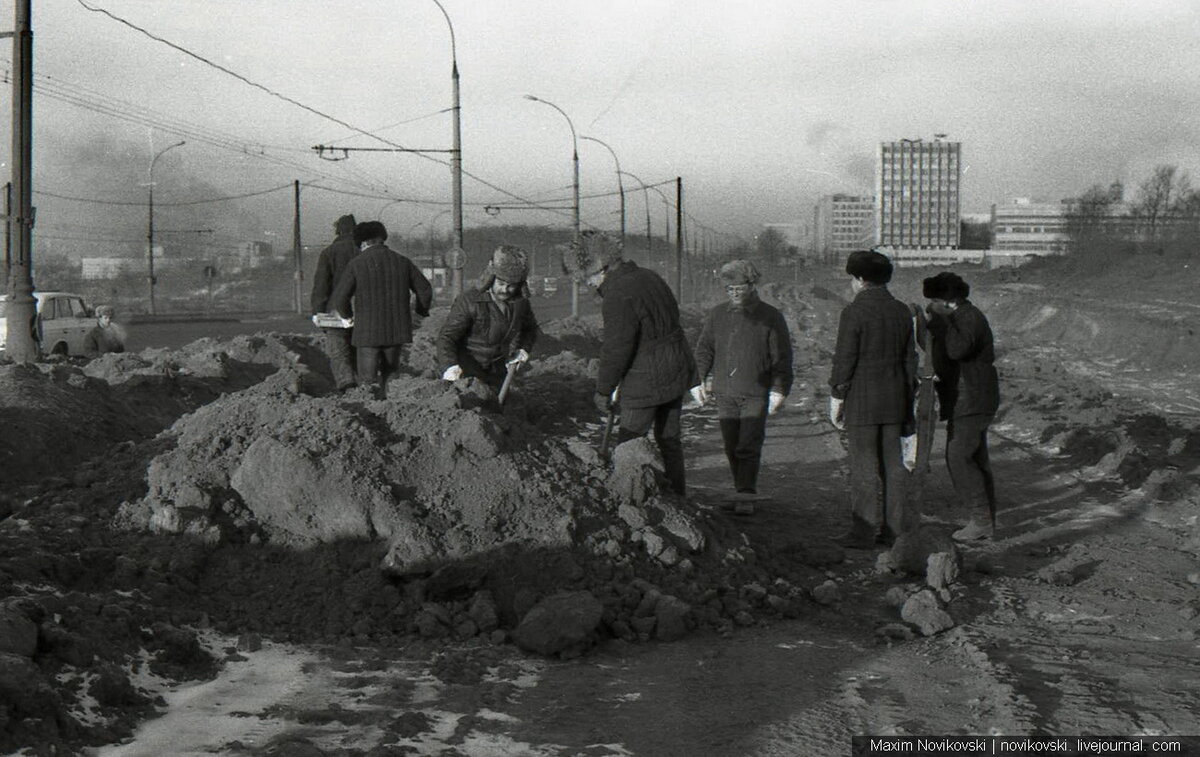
(330, 265)
(968, 390)
(872, 386)
(382, 283)
(104, 336)
(746, 345)
(490, 326)
(644, 351)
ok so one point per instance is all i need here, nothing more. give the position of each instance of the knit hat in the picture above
(870, 266)
(945, 286)
(591, 253)
(369, 230)
(510, 263)
(345, 224)
(107, 310)
(739, 272)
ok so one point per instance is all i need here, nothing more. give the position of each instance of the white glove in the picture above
(837, 416)
(699, 394)
(520, 358)
(774, 402)
(908, 448)
(453, 373)
(616, 394)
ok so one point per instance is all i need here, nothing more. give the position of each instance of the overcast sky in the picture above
(761, 107)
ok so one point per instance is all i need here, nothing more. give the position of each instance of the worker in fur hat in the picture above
(330, 264)
(644, 352)
(490, 325)
(872, 386)
(968, 390)
(746, 345)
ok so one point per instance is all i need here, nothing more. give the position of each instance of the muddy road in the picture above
(1080, 619)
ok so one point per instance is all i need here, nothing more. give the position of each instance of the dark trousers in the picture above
(743, 428)
(636, 421)
(376, 365)
(878, 480)
(970, 469)
(341, 356)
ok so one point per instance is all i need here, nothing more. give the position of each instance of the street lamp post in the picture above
(150, 225)
(455, 155)
(646, 198)
(575, 188)
(620, 184)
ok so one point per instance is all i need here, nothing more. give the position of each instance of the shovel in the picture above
(512, 369)
(608, 428)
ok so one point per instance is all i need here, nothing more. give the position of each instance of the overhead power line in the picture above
(142, 203)
(292, 101)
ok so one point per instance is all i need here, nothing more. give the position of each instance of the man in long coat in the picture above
(968, 396)
(872, 385)
(644, 352)
(382, 283)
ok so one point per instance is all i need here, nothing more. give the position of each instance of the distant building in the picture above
(917, 194)
(1036, 228)
(843, 223)
(249, 255)
(93, 269)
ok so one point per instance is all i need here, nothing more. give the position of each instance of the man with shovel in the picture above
(644, 351)
(491, 327)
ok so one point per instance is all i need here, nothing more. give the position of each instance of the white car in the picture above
(64, 321)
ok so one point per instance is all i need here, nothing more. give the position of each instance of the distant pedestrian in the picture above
(872, 386)
(644, 351)
(746, 345)
(968, 390)
(330, 265)
(491, 325)
(382, 284)
(104, 336)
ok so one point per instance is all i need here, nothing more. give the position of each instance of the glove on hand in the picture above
(521, 357)
(837, 415)
(774, 402)
(453, 373)
(603, 402)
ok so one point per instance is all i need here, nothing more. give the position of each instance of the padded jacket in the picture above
(644, 349)
(748, 350)
(476, 331)
(964, 357)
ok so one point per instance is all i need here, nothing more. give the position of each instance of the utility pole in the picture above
(7, 235)
(297, 295)
(679, 237)
(21, 345)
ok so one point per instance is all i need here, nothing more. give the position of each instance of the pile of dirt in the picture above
(277, 507)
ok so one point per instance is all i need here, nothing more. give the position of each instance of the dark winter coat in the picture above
(330, 265)
(963, 358)
(381, 283)
(875, 363)
(477, 331)
(101, 340)
(644, 349)
(748, 349)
